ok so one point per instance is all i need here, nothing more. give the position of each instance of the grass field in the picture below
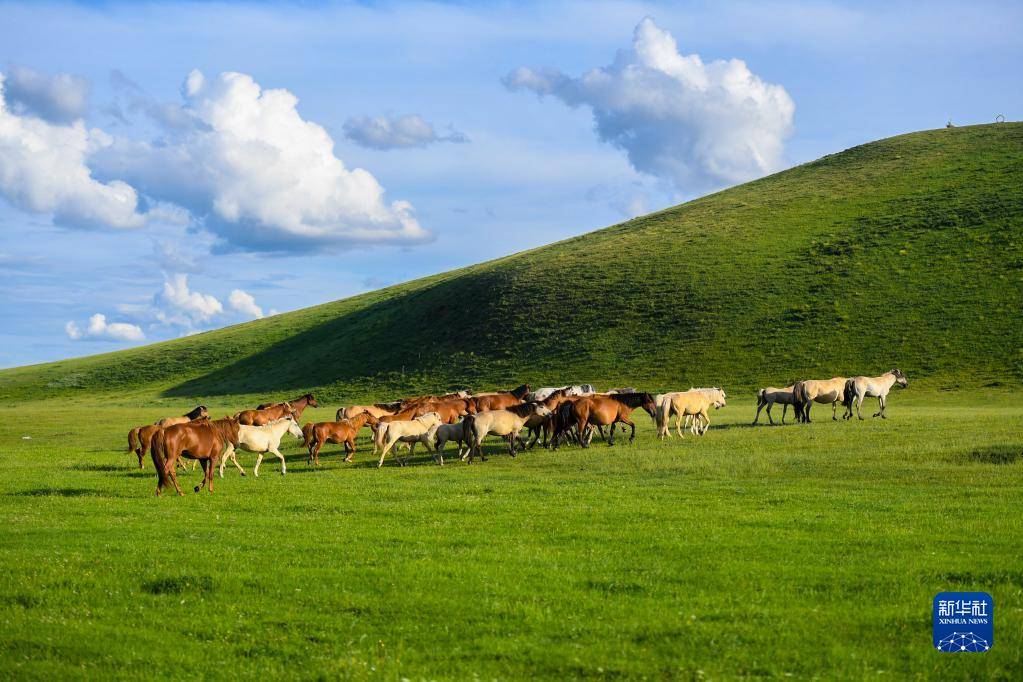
(811, 551)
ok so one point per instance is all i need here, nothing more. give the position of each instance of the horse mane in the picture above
(520, 392)
(522, 409)
(393, 406)
(194, 414)
(631, 399)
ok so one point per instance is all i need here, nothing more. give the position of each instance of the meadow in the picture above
(803, 550)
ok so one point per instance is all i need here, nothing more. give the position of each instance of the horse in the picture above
(376, 411)
(823, 391)
(493, 401)
(541, 394)
(261, 440)
(519, 392)
(140, 436)
(504, 422)
(298, 405)
(202, 440)
(450, 410)
(767, 397)
(628, 389)
(412, 431)
(603, 410)
(694, 402)
(342, 431)
(264, 416)
(439, 436)
(198, 413)
(858, 388)
(405, 415)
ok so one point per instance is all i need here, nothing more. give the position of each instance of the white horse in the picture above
(261, 440)
(544, 393)
(412, 431)
(858, 388)
(693, 403)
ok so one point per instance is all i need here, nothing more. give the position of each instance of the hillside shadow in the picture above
(381, 342)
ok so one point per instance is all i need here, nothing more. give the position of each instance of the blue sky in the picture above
(155, 173)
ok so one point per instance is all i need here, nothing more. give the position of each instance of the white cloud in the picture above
(244, 303)
(100, 329)
(171, 257)
(260, 176)
(61, 99)
(698, 125)
(389, 132)
(43, 170)
(179, 305)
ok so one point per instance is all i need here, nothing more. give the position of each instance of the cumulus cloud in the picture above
(258, 175)
(243, 302)
(59, 99)
(389, 132)
(177, 304)
(43, 169)
(695, 124)
(99, 329)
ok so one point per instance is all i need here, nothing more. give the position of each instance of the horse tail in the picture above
(134, 444)
(307, 433)
(848, 393)
(156, 451)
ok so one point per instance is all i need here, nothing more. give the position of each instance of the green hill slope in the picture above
(907, 252)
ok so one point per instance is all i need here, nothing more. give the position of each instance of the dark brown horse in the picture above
(601, 410)
(203, 440)
(340, 432)
(264, 416)
(140, 436)
(298, 405)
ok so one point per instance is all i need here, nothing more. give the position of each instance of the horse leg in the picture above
(678, 424)
(859, 401)
(383, 454)
(204, 464)
(350, 443)
(314, 452)
(760, 406)
(880, 403)
(172, 471)
(784, 411)
(834, 409)
(612, 441)
(632, 424)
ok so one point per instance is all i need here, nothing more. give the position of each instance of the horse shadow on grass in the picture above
(993, 454)
(64, 492)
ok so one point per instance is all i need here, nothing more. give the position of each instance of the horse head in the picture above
(718, 396)
(900, 377)
(294, 429)
(429, 418)
(310, 400)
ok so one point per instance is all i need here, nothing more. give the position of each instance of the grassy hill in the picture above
(903, 252)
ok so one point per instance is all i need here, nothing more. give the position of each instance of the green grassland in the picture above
(804, 550)
(810, 550)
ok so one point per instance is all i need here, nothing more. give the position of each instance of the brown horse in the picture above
(602, 410)
(202, 440)
(264, 416)
(495, 401)
(139, 437)
(298, 405)
(450, 410)
(340, 432)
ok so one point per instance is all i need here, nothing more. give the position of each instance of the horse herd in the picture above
(553, 415)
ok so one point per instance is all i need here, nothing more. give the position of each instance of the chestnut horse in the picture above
(450, 410)
(139, 437)
(603, 410)
(202, 440)
(298, 405)
(264, 416)
(376, 411)
(340, 432)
